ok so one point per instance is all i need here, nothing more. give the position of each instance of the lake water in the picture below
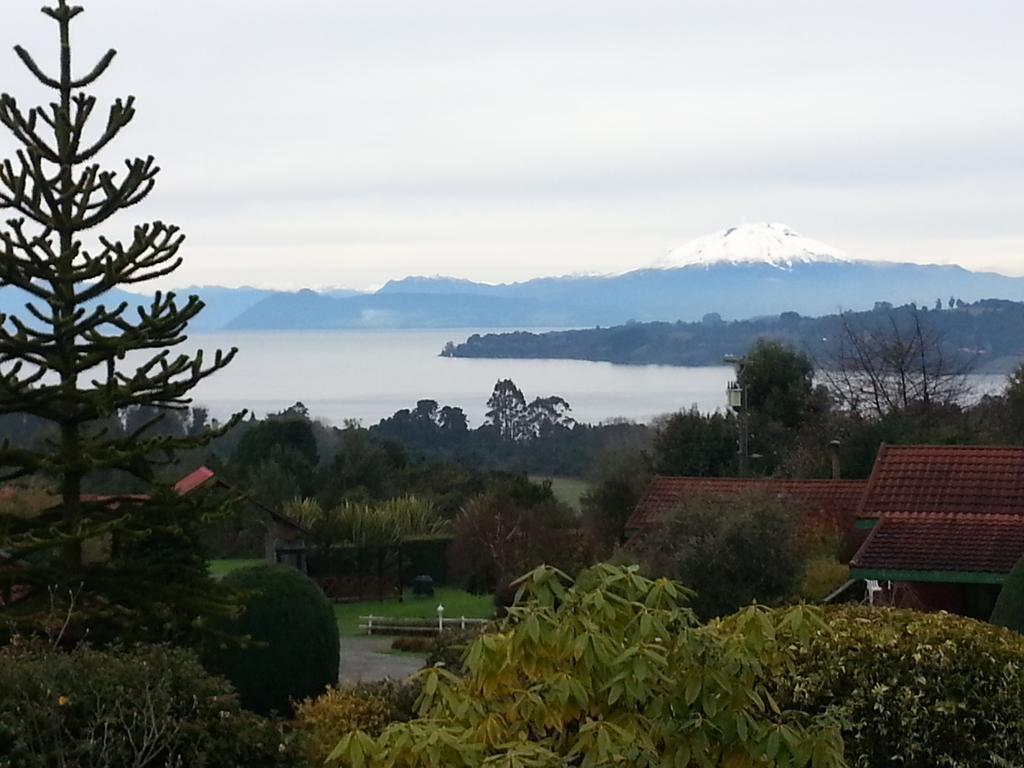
(368, 375)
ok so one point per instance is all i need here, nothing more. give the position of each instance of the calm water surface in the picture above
(368, 375)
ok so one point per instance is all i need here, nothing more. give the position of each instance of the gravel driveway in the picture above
(368, 659)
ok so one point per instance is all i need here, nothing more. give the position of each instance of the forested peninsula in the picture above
(984, 334)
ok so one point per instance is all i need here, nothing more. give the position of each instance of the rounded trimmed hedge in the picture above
(914, 689)
(292, 651)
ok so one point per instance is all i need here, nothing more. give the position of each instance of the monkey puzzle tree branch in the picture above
(68, 359)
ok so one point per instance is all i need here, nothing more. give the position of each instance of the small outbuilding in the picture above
(945, 525)
(284, 539)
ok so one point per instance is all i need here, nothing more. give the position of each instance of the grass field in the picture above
(219, 568)
(456, 603)
(567, 490)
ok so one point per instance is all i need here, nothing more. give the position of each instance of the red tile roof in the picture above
(193, 480)
(944, 508)
(945, 478)
(965, 542)
(835, 501)
(183, 487)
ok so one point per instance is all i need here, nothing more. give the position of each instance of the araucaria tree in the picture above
(79, 354)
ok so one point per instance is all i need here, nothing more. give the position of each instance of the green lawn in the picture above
(567, 490)
(456, 603)
(219, 568)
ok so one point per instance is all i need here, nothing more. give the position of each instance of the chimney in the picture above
(833, 452)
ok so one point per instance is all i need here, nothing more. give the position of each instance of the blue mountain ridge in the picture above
(733, 291)
(684, 293)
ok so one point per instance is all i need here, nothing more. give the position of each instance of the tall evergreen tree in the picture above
(79, 354)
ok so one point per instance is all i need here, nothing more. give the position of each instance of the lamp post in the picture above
(440, 619)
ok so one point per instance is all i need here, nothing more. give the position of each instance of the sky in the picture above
(316, 143)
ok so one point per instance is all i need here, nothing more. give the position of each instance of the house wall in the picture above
(972, 600)
(281, 536)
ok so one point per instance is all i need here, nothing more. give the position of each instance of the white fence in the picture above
(385, 625)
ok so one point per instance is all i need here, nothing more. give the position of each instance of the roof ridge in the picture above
(733, 479)
(952, 514)
(951, 448)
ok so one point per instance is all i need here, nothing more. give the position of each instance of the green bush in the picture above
(449, 648)
(821, 577)
(367, 707)
(147, 705)
(292, 647)
(916, 690)
(498, 536)
(337, 711)
(731, 550)
(1009, 609)
(368, 525)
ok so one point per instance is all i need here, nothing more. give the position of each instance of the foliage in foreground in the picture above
(368, 707)
(913, 689)
(150, 705)
(293, 648)
(614, 670)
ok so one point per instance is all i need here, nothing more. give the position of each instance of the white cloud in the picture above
(348, 141)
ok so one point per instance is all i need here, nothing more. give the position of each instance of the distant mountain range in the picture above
(740, 272)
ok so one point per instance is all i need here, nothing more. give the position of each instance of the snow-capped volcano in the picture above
(762, 243)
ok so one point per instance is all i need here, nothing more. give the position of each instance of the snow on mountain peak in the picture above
(763, 243)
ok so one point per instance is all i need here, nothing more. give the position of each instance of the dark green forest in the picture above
(985, 334)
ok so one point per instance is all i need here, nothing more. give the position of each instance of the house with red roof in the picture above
(832, 502)
(945, 525)
(283, 538)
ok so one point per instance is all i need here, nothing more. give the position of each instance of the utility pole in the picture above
(736, 396)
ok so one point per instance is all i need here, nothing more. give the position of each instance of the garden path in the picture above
(369, 659)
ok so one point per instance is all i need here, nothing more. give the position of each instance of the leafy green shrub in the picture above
(365, 524)
(339, 710)
(618, 673)
(146, 705)
(498, 537)
(399, 695)
(1009, 609)
(367, 707)
(449, 648)
(732, 550)
(293, 651)
(914, 689)
(821, 577)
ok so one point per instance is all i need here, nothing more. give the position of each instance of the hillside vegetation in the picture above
(985, 333)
